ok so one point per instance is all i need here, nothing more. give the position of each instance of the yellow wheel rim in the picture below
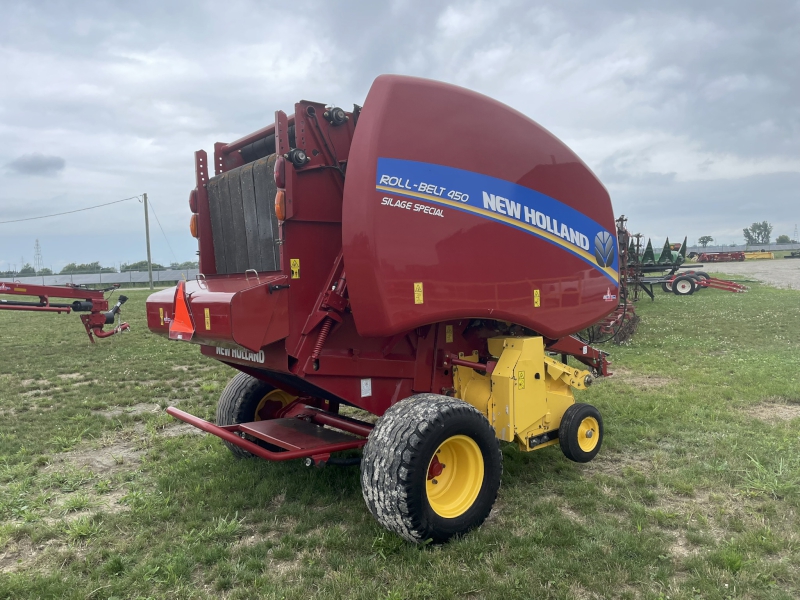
(588, 434)
(455, 476)
(273, 401)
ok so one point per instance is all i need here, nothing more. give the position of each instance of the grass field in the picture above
(694, 495)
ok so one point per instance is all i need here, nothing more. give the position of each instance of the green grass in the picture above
(695, 494)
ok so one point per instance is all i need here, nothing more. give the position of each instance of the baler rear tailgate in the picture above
(249, 312)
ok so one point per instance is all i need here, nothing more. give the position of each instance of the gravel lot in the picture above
(781, 272)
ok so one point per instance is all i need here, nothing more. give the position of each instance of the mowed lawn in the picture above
(695, 493)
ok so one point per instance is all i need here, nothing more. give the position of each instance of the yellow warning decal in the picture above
(537, 299)
(520, 380)
(448, 334)
(20, 289)
(208, 319)
(294, 263)
(161, 315)
(418, 299)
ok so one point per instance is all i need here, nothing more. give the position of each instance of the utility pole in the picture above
(38, 263)
(147, 236)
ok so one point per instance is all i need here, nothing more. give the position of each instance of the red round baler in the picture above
(424, 258)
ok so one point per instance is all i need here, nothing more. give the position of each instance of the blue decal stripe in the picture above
(579, 252)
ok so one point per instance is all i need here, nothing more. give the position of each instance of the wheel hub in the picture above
(271, 404)
(587, 434)
(455, 476)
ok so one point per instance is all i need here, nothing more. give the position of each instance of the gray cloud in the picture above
(685, 104)
(37, 164)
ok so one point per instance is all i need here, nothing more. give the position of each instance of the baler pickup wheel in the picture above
(581, 432)
(246, 399)
(431, 468)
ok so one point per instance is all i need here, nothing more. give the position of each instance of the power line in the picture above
(162, 230)
(69, 212)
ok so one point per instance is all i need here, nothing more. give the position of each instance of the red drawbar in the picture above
(182, 325)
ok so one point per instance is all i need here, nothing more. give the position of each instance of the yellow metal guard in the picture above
(526, 394)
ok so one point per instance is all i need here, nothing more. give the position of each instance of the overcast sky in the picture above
(689, 112)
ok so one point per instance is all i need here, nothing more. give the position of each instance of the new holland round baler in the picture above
(424, 258)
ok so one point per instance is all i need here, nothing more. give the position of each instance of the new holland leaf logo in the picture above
(604, 249)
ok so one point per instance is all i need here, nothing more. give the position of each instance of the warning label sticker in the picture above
(418, 298)
(294, 264)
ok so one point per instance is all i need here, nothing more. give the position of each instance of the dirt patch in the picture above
(257, 538)
(38, 382)
(88, 382)
(680, 547)
(182, 429)
(34, 393)
(183, 368)
(19, 555)
(774, 412)
(640, 380)
(71, 376)
(122, 456)
(572, 515)
(136, 409)
(614, 463)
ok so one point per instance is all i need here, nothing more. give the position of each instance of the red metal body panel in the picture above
(469, 266)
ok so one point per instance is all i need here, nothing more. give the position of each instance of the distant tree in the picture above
(27, 270)
(139, 266)
(86, 268)
(783, 239)
(758, 233)
(705, 240)
(45, 271)
(184, 265)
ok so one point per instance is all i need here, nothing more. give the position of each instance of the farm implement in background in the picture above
(84, 300)
(667, 269)
(721, 257)
(643, 269)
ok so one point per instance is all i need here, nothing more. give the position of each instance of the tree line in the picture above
(757, 234)
(95, 267)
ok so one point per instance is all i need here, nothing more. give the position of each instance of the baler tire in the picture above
(398, 458)
(573, 437)
(238, 403)
(677, 287)
(701, 275)
(666, 286)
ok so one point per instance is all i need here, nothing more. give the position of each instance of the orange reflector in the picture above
(280, 205)
(182, 325)
(193, 226)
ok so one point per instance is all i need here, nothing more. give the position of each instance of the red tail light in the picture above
(279, 171)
